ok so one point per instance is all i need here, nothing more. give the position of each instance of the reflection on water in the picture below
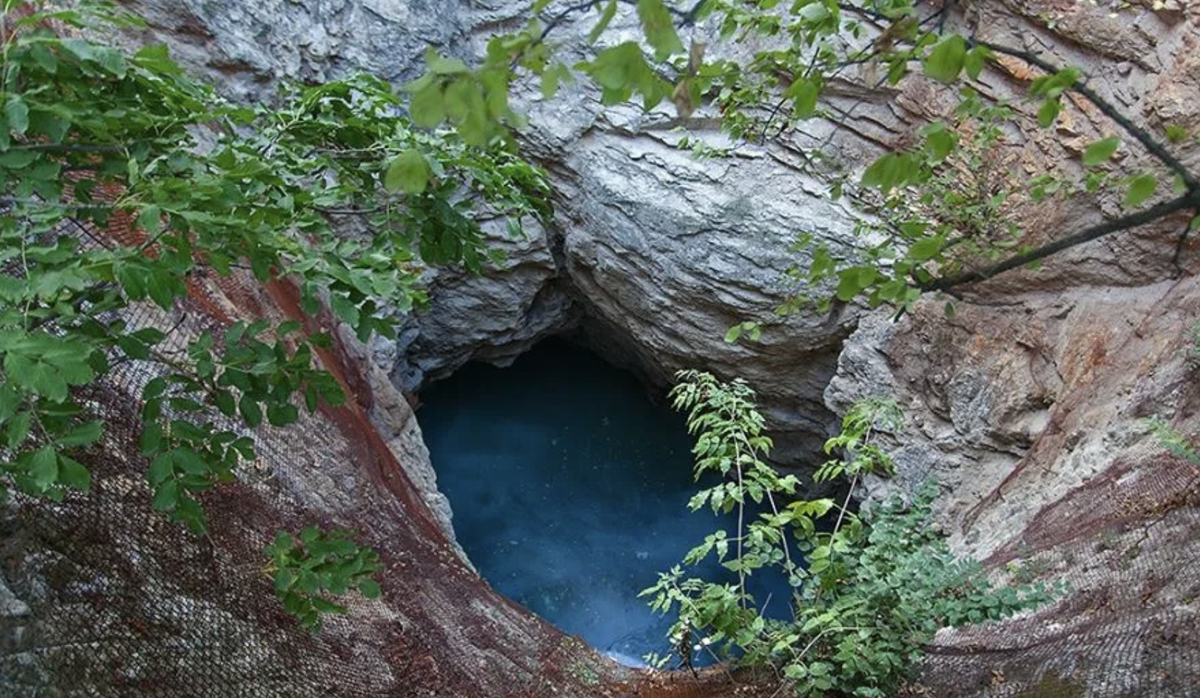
(569, 489)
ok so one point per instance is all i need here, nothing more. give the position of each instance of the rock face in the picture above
(1029, 406)
(665, 252)
(245, 48)
(653, 254)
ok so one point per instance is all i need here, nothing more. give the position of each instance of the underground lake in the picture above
(569, 487)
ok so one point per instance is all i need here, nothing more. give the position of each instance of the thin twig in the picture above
(1154, 213)
(1183, 236)
(1151, 144)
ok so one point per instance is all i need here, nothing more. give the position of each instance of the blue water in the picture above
(569, 488)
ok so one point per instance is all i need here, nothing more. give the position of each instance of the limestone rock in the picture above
(666, 251)
(653, 253)
(492, 317)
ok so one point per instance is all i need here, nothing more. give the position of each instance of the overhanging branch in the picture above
(1148, 141)
(1154, 213)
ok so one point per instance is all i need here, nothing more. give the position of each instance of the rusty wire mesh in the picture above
(121, 601)
(1128, 544)
(103, 597)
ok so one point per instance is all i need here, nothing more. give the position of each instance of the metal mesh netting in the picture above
(103, 597)
(106, 597)
(1129, 541)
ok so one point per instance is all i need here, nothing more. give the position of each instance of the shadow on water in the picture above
(569, 489)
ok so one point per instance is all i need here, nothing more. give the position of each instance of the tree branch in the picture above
(1154, 213)
(1157, 149)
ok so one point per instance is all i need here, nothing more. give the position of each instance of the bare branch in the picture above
(1154, 213)
(1151, 144)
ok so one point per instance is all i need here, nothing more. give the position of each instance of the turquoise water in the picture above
(569, 488)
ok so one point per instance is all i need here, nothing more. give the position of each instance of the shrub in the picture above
(868, 592)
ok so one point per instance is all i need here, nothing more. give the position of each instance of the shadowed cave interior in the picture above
(569, 487)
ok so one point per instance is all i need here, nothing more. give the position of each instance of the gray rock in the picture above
(10, 605)
(653, 253)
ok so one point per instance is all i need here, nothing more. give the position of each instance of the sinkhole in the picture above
(569, 487)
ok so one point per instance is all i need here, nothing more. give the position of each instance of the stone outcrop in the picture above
(1030, 406)
(653, 253)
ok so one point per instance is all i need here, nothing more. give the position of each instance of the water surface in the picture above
(569, 489)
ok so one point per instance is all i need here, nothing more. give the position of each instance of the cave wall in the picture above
(1025, 405)
(1029, 405)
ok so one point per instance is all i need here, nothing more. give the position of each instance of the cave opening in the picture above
(569, 487)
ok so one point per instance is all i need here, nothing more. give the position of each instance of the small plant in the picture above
(1174, 441)
(869, 591)
(307, 567)
(1193, 350)
(1028, 569)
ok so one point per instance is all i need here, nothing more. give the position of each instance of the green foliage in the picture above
(1101, 151)
(947, 59)
(789, 53)
(870, 592)
(863, 420)
(310, 567)
(90, 135)
(940, 209)
(1176, 443)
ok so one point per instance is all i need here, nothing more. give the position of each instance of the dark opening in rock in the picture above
(569, 488)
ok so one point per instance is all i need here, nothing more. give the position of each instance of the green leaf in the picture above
(150, 220)
(925, 249)
(1100, 151)
(17, 159)
(250, 411)
(890, 171)
(43, 467)
(849, 284)
(976, 58)
(284, 579)
(940, 142)
(408, 171)
(606, 17)
(441, 65)
(804, 94)
(166, 497)
(10, 401)
(1048, 113)
(427, 106)
(18, 114)
(82, 435)
(370, 588)
(44, 57)
(73, 474)
(1175, 133)
(659, 30)
(18, 429)
(946, 60)
(1141, 188)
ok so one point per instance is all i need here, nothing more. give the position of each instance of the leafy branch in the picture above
(100, 145)
(868, 592)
